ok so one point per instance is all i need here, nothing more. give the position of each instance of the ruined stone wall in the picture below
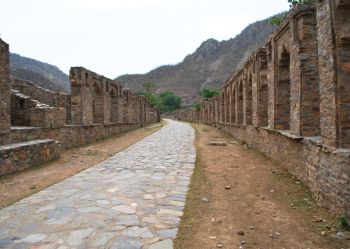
(14, 157)
(291, 100)
(334, 60)
(96, 99)
(43, 122)
(54, 99)
(5, 115)
(26, 111)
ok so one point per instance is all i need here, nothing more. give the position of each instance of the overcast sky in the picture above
(114, 37)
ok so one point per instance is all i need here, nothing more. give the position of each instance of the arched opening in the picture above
(114, 107)
(282, 115)
(97, 105)
(233, 106)
(240, 103)
(248, 101)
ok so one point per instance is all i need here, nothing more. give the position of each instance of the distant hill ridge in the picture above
(40, 73)
(209, 66)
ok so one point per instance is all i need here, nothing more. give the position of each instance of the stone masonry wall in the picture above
(4, 93)
(54, 99)
(291, 100)
(15, 158)
(44, 121)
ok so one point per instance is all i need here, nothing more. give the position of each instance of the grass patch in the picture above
(299, 195)
(92, 153)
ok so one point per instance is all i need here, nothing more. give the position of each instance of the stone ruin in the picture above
(35, 123)
(291, 100)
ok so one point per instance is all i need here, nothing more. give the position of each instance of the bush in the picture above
(209, 93)
(197, 106)
(166, 101)
(170, 101)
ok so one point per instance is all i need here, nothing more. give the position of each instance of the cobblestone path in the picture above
(131, 200)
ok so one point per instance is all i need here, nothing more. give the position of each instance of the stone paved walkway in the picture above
(133, 199)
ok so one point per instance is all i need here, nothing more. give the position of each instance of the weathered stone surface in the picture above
(105, 206)
(19, 156)
(97, 107)
(290, 100)
(5, 115)
(165, 244)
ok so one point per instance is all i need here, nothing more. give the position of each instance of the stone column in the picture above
(5, 95)
(333, 30)
(81, 99)
(106, 85)
(304, 101)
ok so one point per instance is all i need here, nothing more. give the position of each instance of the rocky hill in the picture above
(209, 66)
(42, 74)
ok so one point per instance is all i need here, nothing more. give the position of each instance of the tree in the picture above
(209, 93)
(149, 87)
(154, 100)
(166, 101)
(170, 101)
(197, 106)
(297, 2)
(276, 20)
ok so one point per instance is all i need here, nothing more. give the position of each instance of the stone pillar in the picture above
(5, 114)
(106, 85)
(333, 30)
(271, 84)
(261, 90)
(255, 95)
(304, 100)
(81, 99)
(229, 104)
(247, 97)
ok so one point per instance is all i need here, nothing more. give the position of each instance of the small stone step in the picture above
(153, 126)
(18, 156)
(21, 134)
(218, 143)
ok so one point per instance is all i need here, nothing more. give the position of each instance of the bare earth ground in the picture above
(19, 185)
(263, 206)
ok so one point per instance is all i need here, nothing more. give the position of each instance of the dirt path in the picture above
(239, 199)
(17, 186)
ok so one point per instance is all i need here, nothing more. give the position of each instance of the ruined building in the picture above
(291, 100)
(35, 124)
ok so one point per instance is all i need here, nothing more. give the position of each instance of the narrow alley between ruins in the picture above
(134, 198)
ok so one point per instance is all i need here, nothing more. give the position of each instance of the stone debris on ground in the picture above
(218, 143)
